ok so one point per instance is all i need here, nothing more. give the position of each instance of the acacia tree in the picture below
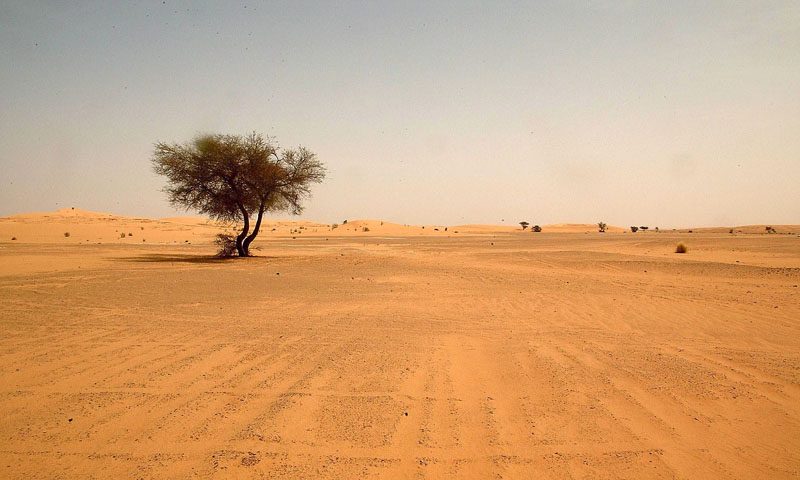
(235, 177)
(524, 225)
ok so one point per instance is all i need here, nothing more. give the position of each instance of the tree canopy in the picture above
(236, 177)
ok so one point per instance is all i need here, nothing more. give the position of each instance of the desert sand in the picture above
(398, 352)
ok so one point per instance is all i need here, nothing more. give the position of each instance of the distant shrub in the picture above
(601, 226)
(524, 225)
(365, 229)
(730, 231)
(536, 228)
(13, 238)
(634, 229)
(226, 245)
(681, 248)
(130, 234)
(643, 228)
(770, 230)
(344, 223)
(122, 235)
(66, 234)
(141, 228)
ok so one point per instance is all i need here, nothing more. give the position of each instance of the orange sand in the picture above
(395, 353)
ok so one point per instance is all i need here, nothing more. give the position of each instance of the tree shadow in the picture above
(174, 258)
(187, 258)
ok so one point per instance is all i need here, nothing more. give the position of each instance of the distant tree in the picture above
(536, 228)
(524, 225)
(770, 230)
(634, 229)
(234, 177)
(601, 226)
(643, 228)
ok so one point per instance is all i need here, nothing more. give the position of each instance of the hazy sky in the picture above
(665, 113)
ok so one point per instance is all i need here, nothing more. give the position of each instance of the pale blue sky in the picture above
(659, 113)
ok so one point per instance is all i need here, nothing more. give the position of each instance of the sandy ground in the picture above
(503, 355)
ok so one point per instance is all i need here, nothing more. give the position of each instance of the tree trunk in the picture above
(256, 227)
(240, 249)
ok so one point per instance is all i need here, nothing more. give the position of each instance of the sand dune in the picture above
(490, 353)
(96, 227)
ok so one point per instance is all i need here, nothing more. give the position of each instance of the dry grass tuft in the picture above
(226, 244)
(681, 248)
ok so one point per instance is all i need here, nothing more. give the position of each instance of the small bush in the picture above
(634, 229)
(122, 235)
(66, 234)
(366, 229)
(130, 234)
(344, 223)
(536, 228)
(681, 248)
(601, 227)
(13, 238)
(226, 245)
